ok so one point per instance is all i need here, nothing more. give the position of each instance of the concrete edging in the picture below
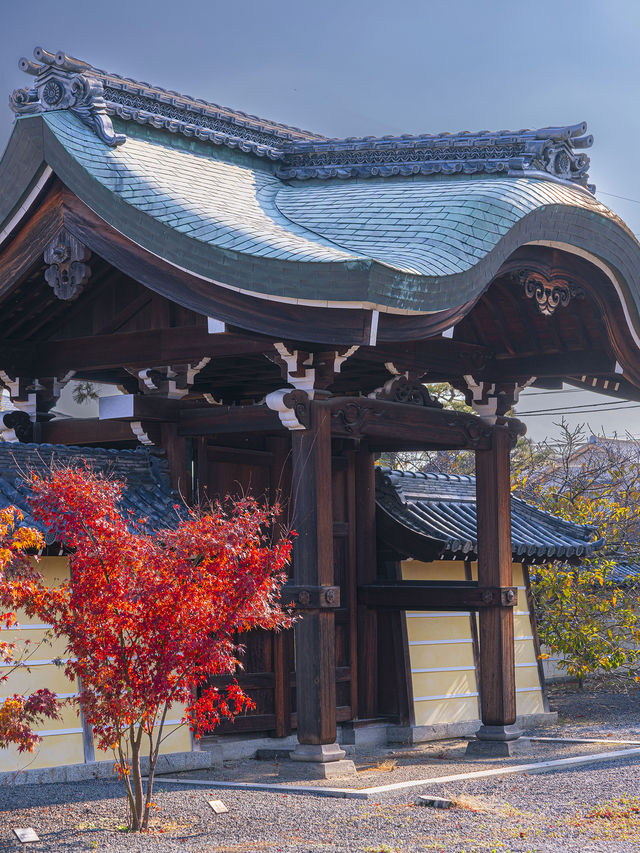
(369, 793)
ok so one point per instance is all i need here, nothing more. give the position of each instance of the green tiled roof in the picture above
(421, 226)
(220, 202)
(424, 226)
(417, 244)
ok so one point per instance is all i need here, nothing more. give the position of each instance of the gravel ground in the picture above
(401, 764)
(591, 809)
(596, 712)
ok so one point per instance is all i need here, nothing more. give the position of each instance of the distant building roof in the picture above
(147, 492)
(624, 574)
(441, 508)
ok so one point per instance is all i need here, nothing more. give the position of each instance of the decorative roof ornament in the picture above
(64, 83)
(402, 389)
(66, 272)
(550, 151)
(548, 294)
(95, 96)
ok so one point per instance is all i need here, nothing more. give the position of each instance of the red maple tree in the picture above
(148, 618)
(19, 713)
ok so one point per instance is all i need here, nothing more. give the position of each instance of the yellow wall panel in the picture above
(37, 677)
(443, 683)
(177, 739)
(439, 628)
(69, 719)
(423, 657)
(446, 711)
(518, 580)
(430, 647)
(53, 570)
(529, 702)
(527, 676)
(53, 751)
(35, 645)
(56, 750)
(414, 570)
(522, 625)
(524, 651)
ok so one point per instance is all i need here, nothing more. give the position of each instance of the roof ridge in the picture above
(428, 475)
(103, 93)
(95, 96)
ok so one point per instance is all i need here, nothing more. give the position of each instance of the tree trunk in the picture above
(136, 778)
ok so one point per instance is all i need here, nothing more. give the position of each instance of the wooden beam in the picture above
(383, 423)
(139, 407)
(222, 420)
(279, 460)
(408, 425)
(85, 431)
(433, 595)
(560, 364)
(134, 349)
(438, 355)
(395, 686)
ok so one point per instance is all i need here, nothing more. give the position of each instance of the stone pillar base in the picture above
(323, 761)
(320, 753)
(498, 742)
(498, 748)
(329, 769)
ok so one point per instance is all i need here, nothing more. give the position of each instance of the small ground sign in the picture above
(25, 834)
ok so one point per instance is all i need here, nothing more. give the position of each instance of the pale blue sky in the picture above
(360, 67)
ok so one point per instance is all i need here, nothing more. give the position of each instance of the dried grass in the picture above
(385, 766)
(472, 803)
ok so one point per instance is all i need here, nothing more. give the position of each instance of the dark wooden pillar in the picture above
(280, 490)
(366, 573)
(313, 568)
(497, 672)
(179, 456)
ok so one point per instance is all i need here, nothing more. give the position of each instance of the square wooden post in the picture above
(366, 568)
(498, 734)
(313, 568)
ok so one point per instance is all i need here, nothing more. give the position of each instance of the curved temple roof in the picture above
(442, 508)
(401, 225)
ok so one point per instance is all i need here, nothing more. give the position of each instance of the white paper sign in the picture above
(218, 806)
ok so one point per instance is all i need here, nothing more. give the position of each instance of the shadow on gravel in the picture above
(18, 798)
(598, 705)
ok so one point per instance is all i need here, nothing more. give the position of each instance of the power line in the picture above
(552, 412)
(587, 406)
(623, 197)
(528, 393)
